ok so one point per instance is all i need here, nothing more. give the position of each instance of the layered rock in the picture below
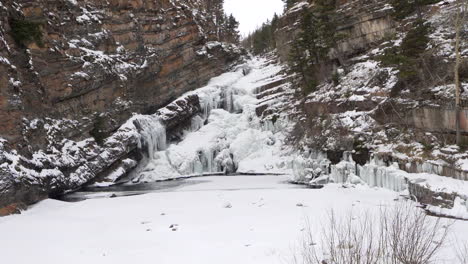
(90, 65)
(362, 100)
(362, 23)
(98, 55)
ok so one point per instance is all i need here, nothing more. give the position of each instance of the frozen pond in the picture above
(120, 190)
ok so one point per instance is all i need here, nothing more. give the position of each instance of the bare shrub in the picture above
(307, 252)
(400, 235)
(412, 236)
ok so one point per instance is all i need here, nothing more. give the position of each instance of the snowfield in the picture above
(228, 219)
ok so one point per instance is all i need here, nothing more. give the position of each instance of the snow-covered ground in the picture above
(219, 219)
(228, 219)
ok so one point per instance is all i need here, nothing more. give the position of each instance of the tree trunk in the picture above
(418, 9)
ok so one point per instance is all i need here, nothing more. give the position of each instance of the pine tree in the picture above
(290, 3)
(232, 32)
(226, 27)
(313, 44)
(404, 8)
(274, 27)
(263, 39)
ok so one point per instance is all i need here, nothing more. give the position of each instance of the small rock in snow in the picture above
(227, 205)
(299, 205)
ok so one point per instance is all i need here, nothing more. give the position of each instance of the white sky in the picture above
(252, 13)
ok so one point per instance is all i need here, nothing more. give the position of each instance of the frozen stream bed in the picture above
(223, 219)
(122, 190)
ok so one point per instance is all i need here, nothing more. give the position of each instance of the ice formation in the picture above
(226, 137)
(316, 169)
(153, 134)
(313, 168)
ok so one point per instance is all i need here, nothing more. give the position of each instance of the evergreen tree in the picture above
(407, 57)
(232, 32)
(290, 3)
(274, 27)
(313, 44)
(226, 27)
(263, 39)
(404, 8)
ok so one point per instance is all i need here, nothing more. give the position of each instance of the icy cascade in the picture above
(344, 170)
(196, 123)
(210, 161)
(218, 97)
(376, 175)
(153, 134)
(314, 169)
(227, 136)
(310, 168)
(274, 125)
(209, 100)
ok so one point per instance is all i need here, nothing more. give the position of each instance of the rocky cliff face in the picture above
(71, 70)
(363, 23)
(101, 56)
(363, 104)
(366, 112)
(356, 99)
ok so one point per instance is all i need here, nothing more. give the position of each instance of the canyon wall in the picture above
(73, 71)
(363, 101)
(362, 23)
(108, 58)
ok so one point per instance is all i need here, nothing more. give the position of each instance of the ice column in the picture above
(341, 171)
(228, 99)
(384, 177)
(153, 134)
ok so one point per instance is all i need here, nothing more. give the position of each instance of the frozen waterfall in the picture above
(225, 137)
(153, 134)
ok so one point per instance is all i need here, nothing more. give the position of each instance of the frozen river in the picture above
(128, 189)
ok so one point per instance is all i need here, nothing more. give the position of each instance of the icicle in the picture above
(209, 101)
(268, 125)
(153, 134)
(196, 123)
(310, 168)
(384, 177)
(299, 169)
(228, 99)
(341, 171)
